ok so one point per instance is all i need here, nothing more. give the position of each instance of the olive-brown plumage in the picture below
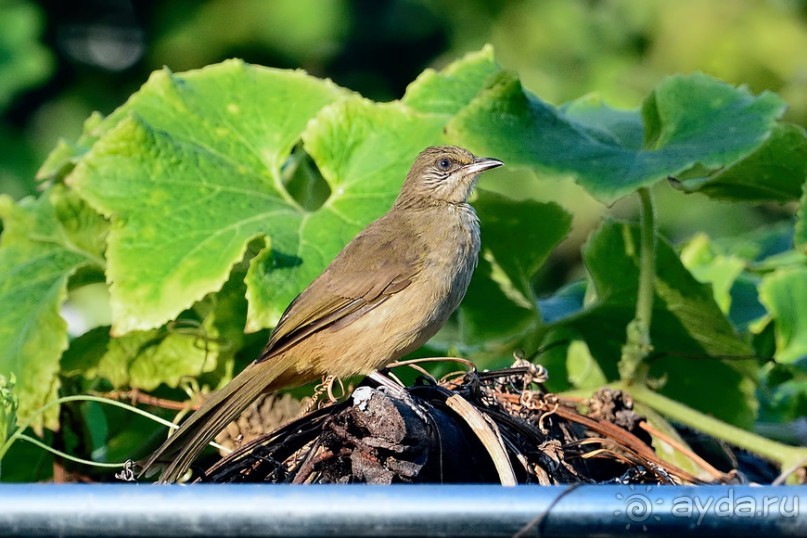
(389, 290)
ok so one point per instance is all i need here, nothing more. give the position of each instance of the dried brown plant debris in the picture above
(471, 427)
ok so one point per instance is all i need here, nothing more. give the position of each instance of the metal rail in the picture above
(276, 510)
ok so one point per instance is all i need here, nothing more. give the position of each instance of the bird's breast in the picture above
(450, 259)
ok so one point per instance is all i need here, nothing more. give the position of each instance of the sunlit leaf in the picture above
(188, 175)
(44, 242)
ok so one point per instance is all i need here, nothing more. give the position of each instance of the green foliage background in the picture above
(172, 223)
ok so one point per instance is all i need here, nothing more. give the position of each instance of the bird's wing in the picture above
(368, 271)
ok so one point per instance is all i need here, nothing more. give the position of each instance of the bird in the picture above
(385, 294)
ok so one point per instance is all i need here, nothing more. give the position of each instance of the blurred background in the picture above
(59, 61)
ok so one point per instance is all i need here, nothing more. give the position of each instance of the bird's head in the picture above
(443, 174)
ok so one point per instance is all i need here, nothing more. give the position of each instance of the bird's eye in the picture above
(444, 164)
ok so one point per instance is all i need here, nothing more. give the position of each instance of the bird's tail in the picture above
(184, 445)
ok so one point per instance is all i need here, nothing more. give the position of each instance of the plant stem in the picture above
(67, 456)
(647, 261)
(785, 455)
(19, 432)
(638, 345)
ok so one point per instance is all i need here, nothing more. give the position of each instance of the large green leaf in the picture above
(693, 342)
(775, 171)
(687, 120)
(44, 242)
(188, 174)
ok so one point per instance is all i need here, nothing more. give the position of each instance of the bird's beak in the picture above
(481, 164)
